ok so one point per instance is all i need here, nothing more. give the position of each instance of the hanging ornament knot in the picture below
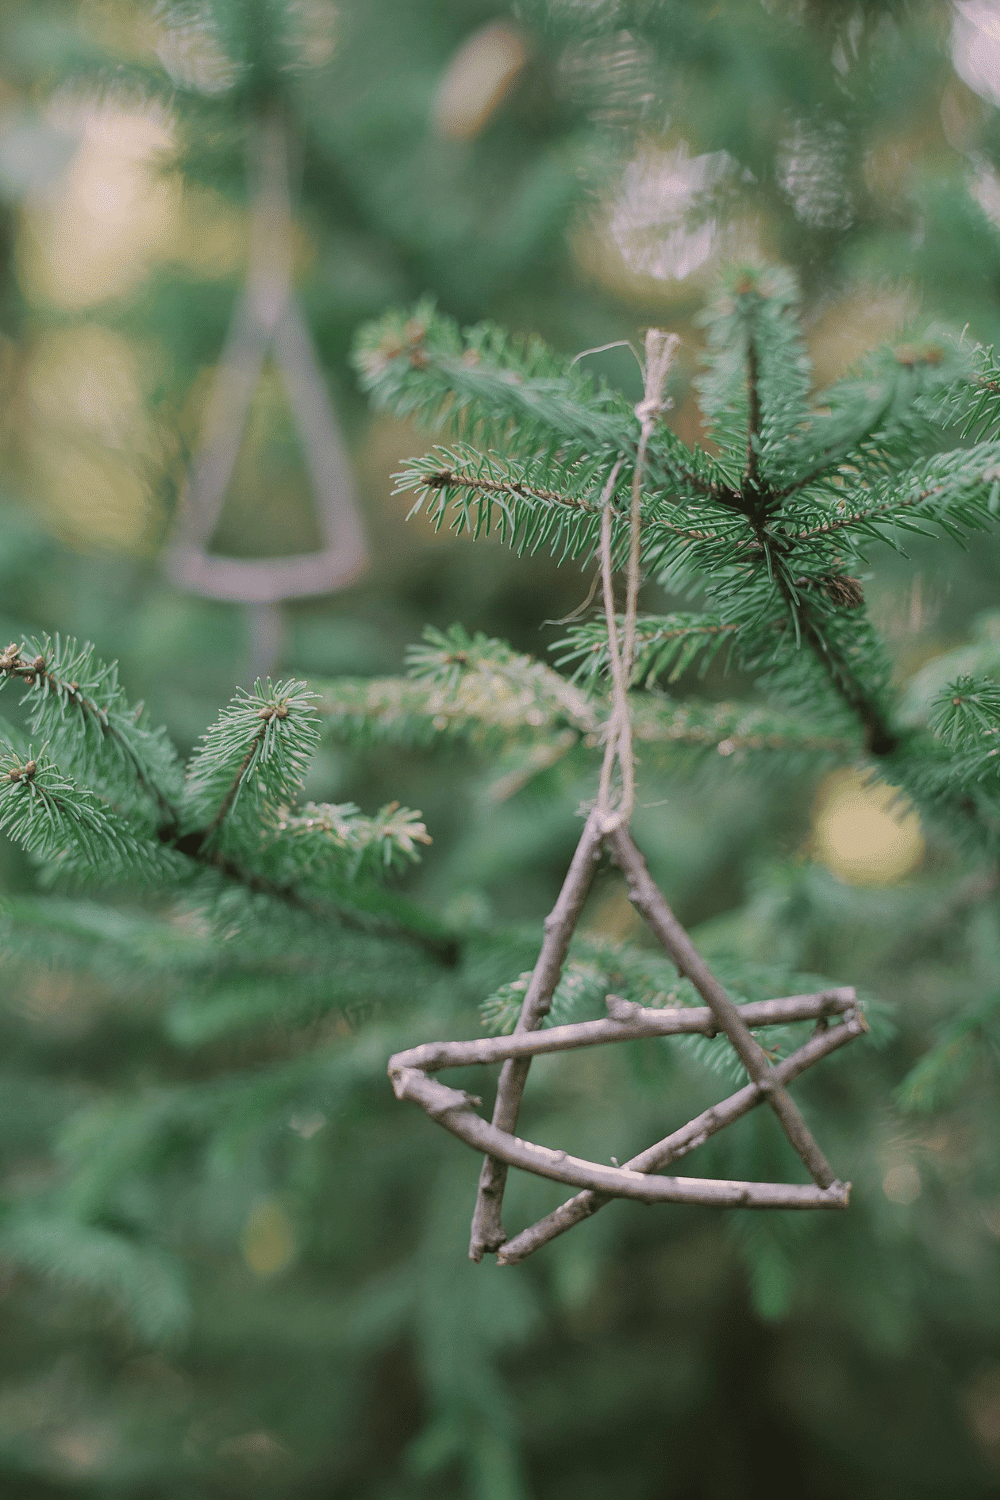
(660, 351)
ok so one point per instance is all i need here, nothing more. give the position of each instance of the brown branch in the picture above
(627, 1022)
(452, 479)
(880, 738)
(647, 900)
(454, 1110)
(267, 713)
(194, 846)
(886, 507)
(681, 1141)
(487, 1230)
(751, 479)
(728, 743)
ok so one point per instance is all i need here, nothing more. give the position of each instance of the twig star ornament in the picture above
(834, 1011)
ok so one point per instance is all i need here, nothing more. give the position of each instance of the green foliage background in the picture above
(232, 1263)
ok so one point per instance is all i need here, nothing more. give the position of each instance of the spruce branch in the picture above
(959, 1046)
(493, 495)
(77, 702)
(968, 708)
(67, 827)
(327, 839)
(253, 758)
(729, 729)
(664, 645)
(879, 736)
(751, 474)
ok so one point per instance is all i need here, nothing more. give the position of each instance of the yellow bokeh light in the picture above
(901, 1184)
(478, 80)
(268, 1238)
(866, 833)
(94, 232)
(87, 443)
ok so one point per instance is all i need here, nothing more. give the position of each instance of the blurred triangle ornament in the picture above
(268, 322)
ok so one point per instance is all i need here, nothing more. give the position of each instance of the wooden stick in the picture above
(647, 899)
(641, 1021)
(681, 1141)
(487, 1229)
(454, 1110)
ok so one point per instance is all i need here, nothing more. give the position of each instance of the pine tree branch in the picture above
(663, 644)
(727, 728)
(880, 738)
(518, 490)
(948, 485)
(440, 946)
(67, 826)
(39, 671)
(267, 713)
(451, 479)
(856, 518)
(751, 477)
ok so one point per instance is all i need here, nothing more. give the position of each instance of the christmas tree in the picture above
(234, 1262)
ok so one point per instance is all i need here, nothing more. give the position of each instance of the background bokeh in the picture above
(580, 169)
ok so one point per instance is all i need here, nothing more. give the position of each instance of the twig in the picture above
(454, 1110)
(646, 898)
(442, 948)
(751, 479)
(681, 1141)
(487, 1230)
(880, 738)
(886, 507)
(446, 479)
(628, 1023)
(271, 711)
(455, 479)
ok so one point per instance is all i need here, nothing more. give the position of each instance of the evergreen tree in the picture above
(258, 908)
(234, 1263)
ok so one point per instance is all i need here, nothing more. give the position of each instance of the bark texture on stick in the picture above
(487, 1229)
(431, 1057)
(680, 1142)
(453, 1109)
(647, 899)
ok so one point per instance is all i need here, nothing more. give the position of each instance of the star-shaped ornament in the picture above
(834, 1011)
